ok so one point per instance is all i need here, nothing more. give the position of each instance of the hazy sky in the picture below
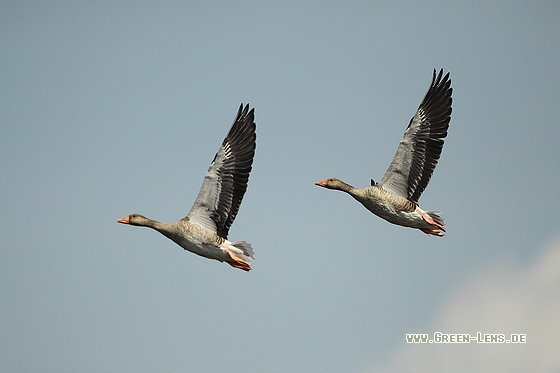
(112, 108)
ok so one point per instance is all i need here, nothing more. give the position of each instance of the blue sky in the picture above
(112, 108)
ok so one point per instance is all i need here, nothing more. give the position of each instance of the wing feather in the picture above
(421, 145)
(225, 182)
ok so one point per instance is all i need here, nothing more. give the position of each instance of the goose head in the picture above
(333, 183)
(135, 219)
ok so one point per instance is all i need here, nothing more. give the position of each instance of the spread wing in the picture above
(225, 183)
(420, 148)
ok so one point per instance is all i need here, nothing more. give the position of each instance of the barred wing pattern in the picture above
(420, 148)
(225, 182)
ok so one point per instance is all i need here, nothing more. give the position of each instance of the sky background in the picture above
(113, 108)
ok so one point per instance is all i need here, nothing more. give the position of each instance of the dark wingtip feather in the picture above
(436, 106)
(242, 141)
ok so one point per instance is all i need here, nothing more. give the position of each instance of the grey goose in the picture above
(395, 197)
(204, 231)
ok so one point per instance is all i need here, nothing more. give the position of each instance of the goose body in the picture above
(395, 197)
(205, 229)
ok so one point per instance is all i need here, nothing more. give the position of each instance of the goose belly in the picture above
(206, 250)
(409, 219)
(397, 216)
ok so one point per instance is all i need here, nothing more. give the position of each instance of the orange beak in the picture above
(125, 220)
(321, 183)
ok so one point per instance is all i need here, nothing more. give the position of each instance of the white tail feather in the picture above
(246, 251)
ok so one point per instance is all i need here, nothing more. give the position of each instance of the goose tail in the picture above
(241, 254)
(246, 251)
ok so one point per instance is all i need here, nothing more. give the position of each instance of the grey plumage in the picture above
(225, 182)
(205, 229)
(420, 147)
(395, 197)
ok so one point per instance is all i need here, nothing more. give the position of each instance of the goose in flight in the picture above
(395, 197)
(204, 231)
